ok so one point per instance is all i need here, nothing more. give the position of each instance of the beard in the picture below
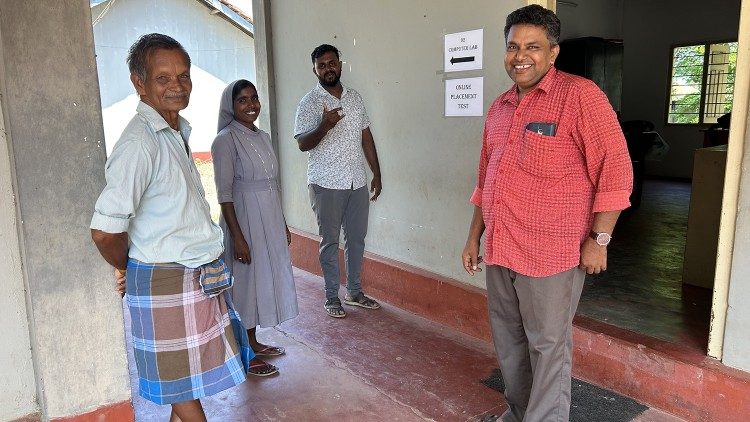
(325, 81)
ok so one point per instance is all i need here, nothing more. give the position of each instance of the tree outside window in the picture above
(702, 84)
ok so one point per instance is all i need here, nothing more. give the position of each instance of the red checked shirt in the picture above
(538, 194)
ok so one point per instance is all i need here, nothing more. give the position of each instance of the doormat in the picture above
(588, 402)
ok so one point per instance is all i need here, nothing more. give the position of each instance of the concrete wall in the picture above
(16, 365)
(650, 29)
(53, 119)
(220, 53)
(393, 54)
(736, 338)
(591, 18)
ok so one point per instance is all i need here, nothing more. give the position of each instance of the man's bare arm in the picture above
(470, 258)
(593, 255)
(113, 247)
(371, 154)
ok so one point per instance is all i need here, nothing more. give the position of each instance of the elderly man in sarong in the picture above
(152, 223)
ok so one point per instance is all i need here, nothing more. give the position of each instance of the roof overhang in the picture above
(218, 8)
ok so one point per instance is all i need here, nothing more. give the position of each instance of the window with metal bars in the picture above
(702, 82)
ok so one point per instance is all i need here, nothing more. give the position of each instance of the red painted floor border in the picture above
(672, 378)
(117, 412)
(203, 156)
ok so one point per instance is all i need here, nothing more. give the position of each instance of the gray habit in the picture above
(246, 173)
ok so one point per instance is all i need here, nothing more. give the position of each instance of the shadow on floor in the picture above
(588, 402)
(370, 366)
(642, 289)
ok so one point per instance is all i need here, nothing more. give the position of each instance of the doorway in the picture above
(643, 289)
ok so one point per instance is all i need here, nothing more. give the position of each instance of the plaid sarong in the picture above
(187, 345)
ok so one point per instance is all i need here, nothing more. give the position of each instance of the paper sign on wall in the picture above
(463, 50)
(463, 97)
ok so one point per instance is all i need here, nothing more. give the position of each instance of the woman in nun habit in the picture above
(256, 238)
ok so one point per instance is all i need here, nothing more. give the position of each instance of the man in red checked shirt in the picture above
(554, 174)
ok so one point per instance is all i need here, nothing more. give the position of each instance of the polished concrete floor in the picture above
(370, 366)
(642, 289)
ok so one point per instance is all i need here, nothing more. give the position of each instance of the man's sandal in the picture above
(270, 351)
(333, 308)
(262, 369)
(361, 300)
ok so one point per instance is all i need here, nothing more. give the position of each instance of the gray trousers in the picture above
(531, 320)
(337, 208)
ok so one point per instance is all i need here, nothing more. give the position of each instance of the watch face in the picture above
(603, 239)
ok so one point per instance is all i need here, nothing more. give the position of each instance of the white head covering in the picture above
(226, 107)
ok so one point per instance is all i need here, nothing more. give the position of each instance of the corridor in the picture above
(385, 365)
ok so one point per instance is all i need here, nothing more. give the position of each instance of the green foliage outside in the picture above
(687, 83)
(687, 77)
(732, 72)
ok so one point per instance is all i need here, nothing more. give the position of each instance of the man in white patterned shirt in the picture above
(332, 125)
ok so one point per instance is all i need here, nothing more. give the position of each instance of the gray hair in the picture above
(147, 44)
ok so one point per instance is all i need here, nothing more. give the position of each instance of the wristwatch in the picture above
(602, 238)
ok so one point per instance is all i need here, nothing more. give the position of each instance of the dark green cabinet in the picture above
(597, 59)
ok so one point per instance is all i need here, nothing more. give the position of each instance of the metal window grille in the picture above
(702, 82)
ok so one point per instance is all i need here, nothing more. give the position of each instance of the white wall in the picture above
(650, 29)
(393, 53)
(220, 53)
(16, 368)
(591, 18)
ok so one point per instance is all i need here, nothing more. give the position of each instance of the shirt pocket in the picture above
(549, 157)
(352, 121)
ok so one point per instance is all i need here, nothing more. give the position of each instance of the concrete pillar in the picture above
(728, 339)
(264, 71)
(50, 101)
(16, 365)
(736, 340)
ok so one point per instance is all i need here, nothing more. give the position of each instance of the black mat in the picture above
(588, 402)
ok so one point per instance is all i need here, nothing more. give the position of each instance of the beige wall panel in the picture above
(393, 54)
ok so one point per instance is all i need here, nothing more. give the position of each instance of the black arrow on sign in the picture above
(455, 60)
